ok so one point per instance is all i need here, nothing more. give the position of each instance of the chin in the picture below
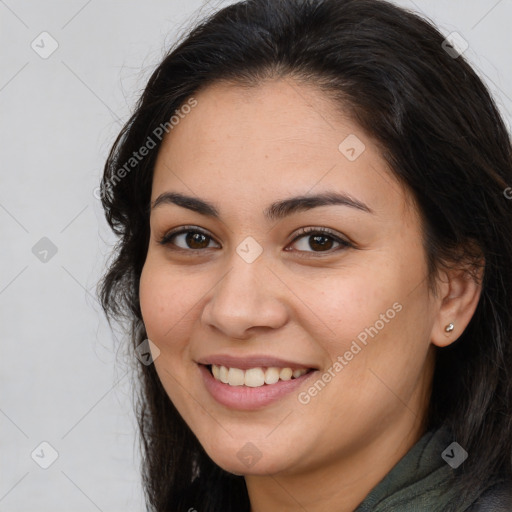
(261, 467)
(242, 457)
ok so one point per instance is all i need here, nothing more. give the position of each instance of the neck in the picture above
(341, 483)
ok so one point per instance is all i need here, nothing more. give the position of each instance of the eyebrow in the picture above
(276, 211)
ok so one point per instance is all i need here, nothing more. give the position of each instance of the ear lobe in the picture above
(459, 297)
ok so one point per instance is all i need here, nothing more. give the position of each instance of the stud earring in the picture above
(449, 327)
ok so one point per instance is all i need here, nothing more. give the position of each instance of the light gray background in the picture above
(61, 379)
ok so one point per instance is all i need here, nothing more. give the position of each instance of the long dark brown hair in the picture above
(442, 135)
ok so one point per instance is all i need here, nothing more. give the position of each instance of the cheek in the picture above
(165, 302)
(342, 306)
(166, 306)
(372, 321)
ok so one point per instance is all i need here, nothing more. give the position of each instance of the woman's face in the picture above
(243, 287)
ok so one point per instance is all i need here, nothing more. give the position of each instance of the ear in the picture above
(458, 296)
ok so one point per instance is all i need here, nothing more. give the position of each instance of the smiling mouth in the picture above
(255, 377)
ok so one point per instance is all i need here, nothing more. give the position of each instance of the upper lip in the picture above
(254, 361)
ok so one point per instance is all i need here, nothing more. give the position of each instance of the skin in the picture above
(243, 149)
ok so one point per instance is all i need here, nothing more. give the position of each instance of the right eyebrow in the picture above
(192, 203)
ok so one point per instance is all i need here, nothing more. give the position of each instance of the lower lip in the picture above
(245, 398)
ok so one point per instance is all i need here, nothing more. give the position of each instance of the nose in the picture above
(248, 297)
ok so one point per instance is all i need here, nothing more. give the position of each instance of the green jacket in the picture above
(419, 482)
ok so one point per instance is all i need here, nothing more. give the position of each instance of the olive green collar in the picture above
(419, 482)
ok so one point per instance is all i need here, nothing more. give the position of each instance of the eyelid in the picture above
(316, 229)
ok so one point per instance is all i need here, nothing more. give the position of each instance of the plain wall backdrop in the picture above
(62, 381)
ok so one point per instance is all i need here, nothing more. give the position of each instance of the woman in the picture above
(316, 253)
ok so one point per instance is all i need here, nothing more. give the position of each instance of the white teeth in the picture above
(254, 377)
(271, 375)
(286, 374)
(223, 374)
(236, 377)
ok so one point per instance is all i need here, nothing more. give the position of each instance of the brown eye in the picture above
(192, 239)
(319, 240)
(196, 240)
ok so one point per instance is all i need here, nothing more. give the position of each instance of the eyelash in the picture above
(344, 244)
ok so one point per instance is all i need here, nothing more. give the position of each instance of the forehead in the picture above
(280, 138)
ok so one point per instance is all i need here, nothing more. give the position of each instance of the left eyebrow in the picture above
(281, 209)
(277, 210)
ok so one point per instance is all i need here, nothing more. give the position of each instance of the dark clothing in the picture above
(419, 482)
